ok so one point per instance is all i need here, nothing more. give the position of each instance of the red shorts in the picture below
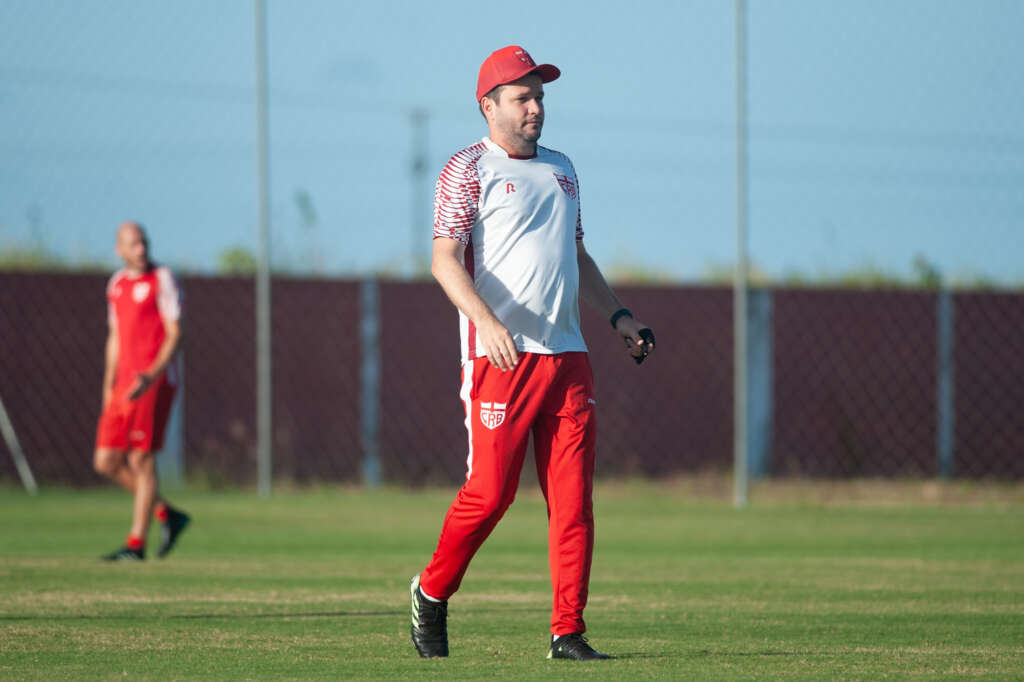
(136, 424)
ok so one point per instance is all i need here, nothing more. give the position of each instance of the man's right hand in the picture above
(498, 344)
(108, 394)
(450, 271)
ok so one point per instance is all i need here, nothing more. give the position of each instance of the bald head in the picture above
(129, 229)
(132, 246)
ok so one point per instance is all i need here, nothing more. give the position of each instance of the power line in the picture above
(635, 122)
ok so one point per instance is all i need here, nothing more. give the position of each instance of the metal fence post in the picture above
(945, 417)
(264, 416)
(170, 465)
(369, 332)
(739, 313)
(759, 382)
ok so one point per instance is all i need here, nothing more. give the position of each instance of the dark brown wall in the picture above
(52, 334)
(989, 370)
(854, 381)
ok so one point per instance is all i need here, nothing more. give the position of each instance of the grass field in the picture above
(313, 584)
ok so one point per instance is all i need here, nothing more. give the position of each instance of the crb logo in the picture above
(140, 291)
(525, 58)
(492, 415)
(567, 185)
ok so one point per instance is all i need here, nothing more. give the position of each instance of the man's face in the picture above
(519, 112)
(132, 247)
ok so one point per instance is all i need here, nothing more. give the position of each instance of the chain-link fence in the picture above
(854, 382)
(52, 333)
(884, 188)
(989, 379)
(316, 362)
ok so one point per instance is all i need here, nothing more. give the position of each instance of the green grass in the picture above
(313, 585)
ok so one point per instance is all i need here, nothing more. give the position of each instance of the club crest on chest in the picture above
(567, 184)
(140, 291)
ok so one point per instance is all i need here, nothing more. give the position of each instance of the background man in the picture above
(508, 252)
(139, 380)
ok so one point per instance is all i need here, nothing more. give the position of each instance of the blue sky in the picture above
(879, 130)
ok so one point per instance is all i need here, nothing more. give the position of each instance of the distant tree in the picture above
(236, 260)
(927, 274)
(19, 257)
(867, 277)
(726, 274)
(625, 269)
(15, 256)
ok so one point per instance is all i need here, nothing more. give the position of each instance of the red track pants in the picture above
(552, 396)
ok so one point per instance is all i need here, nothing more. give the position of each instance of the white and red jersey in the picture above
(136, 308)
(520, 220)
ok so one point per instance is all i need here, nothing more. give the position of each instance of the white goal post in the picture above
(20, 463)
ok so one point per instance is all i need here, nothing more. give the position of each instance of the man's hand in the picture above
(638, 337)
(449, 270)
(141, 385)
(498, 344)
(108, 394)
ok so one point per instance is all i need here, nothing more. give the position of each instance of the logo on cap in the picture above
(510, 63)
(525, 57)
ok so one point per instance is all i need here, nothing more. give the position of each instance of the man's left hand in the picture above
(141, 385)
(638, 337)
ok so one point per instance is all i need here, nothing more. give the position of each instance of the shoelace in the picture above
(577, 640)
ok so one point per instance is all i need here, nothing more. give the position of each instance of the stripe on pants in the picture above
(464, 393)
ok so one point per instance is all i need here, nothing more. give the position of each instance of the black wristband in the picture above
(621, 312)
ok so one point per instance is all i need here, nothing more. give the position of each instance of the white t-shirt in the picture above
(520, 221)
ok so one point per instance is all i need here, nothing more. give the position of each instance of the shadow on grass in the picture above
(737, 654)
(315, 614)
(238, 616)
(703, 653)
(208, 616)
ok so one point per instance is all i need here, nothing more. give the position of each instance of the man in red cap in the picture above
(508, 252)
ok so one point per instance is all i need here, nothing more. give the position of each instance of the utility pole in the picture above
(263, 339)
(739, 287)
(418, 258)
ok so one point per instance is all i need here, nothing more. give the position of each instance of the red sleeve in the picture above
(457, 195)
(579, 203)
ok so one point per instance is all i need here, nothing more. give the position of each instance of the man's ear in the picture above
(487, 107)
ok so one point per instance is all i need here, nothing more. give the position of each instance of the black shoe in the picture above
(170, 530)
(429, 623)
(125, 554)
(574, 646)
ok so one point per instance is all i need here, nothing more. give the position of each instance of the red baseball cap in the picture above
(509, 64)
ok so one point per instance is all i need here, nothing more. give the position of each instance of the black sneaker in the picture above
(429, 623)
(170, 530)
(574, 646)
(125, 554)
